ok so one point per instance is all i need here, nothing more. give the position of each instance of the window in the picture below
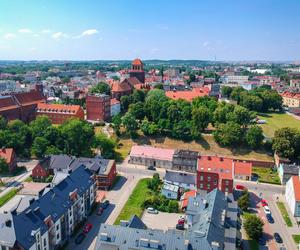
(208, 186)
(57, 227)
(57, 236)
(201, 177)
(45, 242)
(208, 178)
(201, 185)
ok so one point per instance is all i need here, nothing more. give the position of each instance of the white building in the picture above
(292, 195)
(235, 79)
(115, 107)
(170, 191)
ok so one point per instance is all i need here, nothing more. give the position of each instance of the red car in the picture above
(240, 187)
(181, 221)
(263, 202)
(87, 228)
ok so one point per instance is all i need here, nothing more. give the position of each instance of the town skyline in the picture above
(233, 31)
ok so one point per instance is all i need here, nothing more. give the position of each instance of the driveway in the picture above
(161, 220)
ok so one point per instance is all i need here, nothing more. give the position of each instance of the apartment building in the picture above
(291, 100)
(98, 108)
(47, 221)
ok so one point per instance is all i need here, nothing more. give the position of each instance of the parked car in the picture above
(270, 218)
(181, 221)
(151, 168)
(240, 187)
(105, 204)
(267, 210)
(151, 210)
(100, 211)
(180, 226)
(263, 202)
(262, 241)
(88, 227)
(277, 238)
(80, 237)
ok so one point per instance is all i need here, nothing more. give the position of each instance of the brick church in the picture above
(137, 70)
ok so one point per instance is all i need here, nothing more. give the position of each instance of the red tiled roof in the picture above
(186, 196)
(215, 164)
(133, 81)
(296, 184)
(290, 95)
(7, 102)
(114, 101)
(28, 98)
(54, 108)
(123, 86)
(7, 154)
(242, 168)
(187, 94)
(137, 61)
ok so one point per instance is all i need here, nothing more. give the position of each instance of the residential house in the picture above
(181, 179)
(184, 199)
(286, 171)
(242, 170)
(9, 155)
(292, 195)
(170, 191)
(115, 107)
(185, 160)
(213, 225)
(104, 169)
(48, 221)
(152, 156)
(291, 100)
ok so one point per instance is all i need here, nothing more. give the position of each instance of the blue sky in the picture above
(150, 29)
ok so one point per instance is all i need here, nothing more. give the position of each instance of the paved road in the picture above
(270, 193)
(118, 196)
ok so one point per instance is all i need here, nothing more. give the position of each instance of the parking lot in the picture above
(161, 220)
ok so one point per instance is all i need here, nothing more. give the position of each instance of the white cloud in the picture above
(46, 31)
(9, 36)
(4, 46)
(59, 35)
(89, 32)
(25, 31)
(205, 44)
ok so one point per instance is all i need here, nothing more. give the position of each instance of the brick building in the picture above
(98, 107)
(119, 89)
(59, 113)
(21, 106)
(137, 70)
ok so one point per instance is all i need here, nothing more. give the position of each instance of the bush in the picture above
(243, 201)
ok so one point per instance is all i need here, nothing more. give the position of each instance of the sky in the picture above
(149, 29)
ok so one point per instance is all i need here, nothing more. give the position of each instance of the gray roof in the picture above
(54, 202)
(290, 169)
(181, 177)
(188, 154)
(136, 222)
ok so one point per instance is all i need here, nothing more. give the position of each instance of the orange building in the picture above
(59, 113)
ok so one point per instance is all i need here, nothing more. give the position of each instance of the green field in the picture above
(284, 214)
(266, 175)
(5, 198)
(276, 121)
(296, 238)
(134, 205)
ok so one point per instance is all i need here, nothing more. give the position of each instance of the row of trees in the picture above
(40, 137)
(153, 113)
(261, 99)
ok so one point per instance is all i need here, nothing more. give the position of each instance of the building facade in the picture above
(9, 155)
(98, 108)
(48, 221)
(137, 70)
(292, 195)
(291, 100)
(59, 113)
(185, 160)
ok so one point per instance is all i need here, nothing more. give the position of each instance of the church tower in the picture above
(137, 70)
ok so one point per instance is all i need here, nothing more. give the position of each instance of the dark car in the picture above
(151, 168)
(180, 226)
(270, 218)
(79, 238)
(277, 238)
(100, 211)
(262, 241)
(105, 204)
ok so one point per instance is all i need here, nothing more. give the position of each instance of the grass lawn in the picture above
(276, 121)
(266, 175)
(5, 198)
(134, 204)
(284, 214)
(28, 179)
(207, 145)
(296, 238)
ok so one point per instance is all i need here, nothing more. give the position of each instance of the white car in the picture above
(151, 210)
(267, 210)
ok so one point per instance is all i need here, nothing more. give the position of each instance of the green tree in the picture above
(149, 128)
(106, 146)
(53, 150)
(125, 101)
(236, 93)
(228, 134)
(254, 136)
(286, 142)
(137, 110)
(39, 126)
(154, 183)
(240, 115)
(130, 123)
(3, 123)
(200, 120)
(39, 147)
(116, 123)
(244, 201)
(226, 91)
(3, 166)
(220, 115)
(252, 102)
(253, 226)
(101, 88)
(159, 86)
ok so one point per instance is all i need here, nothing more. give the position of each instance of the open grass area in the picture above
(284, 214)
(134, 204)
(5, 198)
(296, 238)
(266, 175)
(207, 145)
(276, 121)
